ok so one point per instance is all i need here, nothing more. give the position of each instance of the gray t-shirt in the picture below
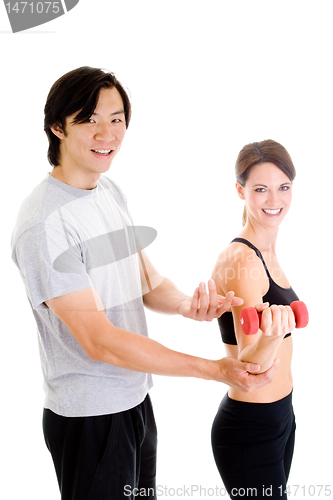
(63, 243)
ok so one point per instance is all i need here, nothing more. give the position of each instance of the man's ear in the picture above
(240, 190)
(57, 130)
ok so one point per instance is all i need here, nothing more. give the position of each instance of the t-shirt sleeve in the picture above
(51, 263)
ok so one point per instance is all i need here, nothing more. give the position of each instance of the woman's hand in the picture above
(276, 321)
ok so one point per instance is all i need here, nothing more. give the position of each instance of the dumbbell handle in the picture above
(250, 319)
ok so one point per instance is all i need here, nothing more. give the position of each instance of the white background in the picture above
(205, 78)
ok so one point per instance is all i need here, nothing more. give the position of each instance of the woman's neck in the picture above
(264, 239)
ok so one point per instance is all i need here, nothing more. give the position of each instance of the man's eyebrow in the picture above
(115, 113)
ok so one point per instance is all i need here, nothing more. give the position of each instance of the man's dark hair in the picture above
(77, 92)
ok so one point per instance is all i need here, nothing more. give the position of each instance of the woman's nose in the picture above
(273, 198)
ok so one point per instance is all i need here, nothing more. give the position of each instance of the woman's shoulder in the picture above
(237, 264)
(237, 253)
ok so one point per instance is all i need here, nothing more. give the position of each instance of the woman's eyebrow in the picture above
(263, 185)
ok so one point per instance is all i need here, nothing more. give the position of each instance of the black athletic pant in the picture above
(253, 445)
(104, 457)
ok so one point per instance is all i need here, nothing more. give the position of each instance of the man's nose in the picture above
(104, 133)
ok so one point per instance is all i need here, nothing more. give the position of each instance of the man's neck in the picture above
(74, 180)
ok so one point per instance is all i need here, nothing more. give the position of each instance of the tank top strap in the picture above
(249, 244)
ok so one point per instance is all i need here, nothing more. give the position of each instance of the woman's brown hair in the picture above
(256, 153)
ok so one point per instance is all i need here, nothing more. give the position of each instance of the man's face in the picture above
(89, 147)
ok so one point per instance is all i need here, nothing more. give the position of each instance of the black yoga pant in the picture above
(104, 457)
(253, 445)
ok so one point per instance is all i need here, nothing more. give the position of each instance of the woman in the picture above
(253, 433)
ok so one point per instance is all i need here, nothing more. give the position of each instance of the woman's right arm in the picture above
(276, 322)
(244, 276)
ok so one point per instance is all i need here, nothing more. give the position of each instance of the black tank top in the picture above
(275, 295)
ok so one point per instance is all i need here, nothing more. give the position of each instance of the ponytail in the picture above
(244, 219)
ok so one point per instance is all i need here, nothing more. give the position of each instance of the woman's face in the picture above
(267, 194)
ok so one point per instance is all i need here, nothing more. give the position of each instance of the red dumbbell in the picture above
(250, 319)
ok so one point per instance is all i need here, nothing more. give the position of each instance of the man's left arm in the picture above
(161, 295)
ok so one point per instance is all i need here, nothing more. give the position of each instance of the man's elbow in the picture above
(92, 350)
(95, 339)
(93, 353)
(98, 352)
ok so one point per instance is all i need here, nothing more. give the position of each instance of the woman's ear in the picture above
(240, 190)
(57, 130)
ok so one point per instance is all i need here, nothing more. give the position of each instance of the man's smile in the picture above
(104, 152)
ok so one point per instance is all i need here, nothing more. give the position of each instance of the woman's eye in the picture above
(90, 120)
(260, 190)
(284, 188)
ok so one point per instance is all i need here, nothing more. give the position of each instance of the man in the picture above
(73, 244)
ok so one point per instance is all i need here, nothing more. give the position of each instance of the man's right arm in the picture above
(83, 315)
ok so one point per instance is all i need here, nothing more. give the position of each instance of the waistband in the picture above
(272, 413)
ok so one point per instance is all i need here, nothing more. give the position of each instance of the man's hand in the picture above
(236, 374)
(205, 306)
